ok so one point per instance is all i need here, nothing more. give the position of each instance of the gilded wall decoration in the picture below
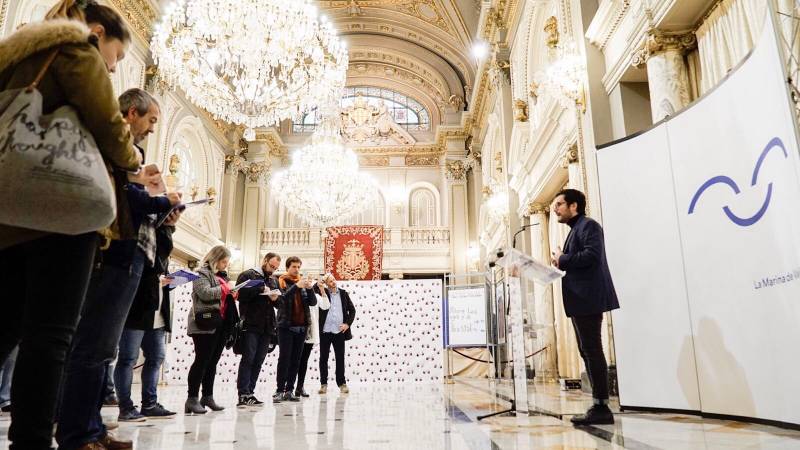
(455, 170)
(520, 110)
(429, 11)
(139, 14)
(422, 160)
(551, 28)
(368, 124)
(373, 160)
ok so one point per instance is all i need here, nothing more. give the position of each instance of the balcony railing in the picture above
(428, 238)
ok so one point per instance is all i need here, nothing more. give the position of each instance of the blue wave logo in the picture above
(774, 144)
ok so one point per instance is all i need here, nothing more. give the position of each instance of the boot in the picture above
(209, 402)
(193, 406)
(596, 415)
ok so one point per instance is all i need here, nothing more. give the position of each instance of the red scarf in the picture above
(225, 291)
(298, 310)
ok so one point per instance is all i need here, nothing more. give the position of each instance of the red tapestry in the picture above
(354, 252)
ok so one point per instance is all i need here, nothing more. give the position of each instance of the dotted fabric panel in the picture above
(397, 337)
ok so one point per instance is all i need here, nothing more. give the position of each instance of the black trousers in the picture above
(326, 339)
(46, 281)
(207, 351)
(255, 346)
(590, 345)
(291, 350)
(301, 372)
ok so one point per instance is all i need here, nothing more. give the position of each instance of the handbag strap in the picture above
(50, 58)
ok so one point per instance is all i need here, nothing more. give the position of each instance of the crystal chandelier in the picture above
(323, 184)
(251, 62)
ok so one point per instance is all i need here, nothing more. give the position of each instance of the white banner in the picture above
(729, 220)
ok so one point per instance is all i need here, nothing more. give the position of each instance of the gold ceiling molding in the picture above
(274, 142)
(139, 14)
(403, 75)
(428, 11)
(423, 70)
(400, 150)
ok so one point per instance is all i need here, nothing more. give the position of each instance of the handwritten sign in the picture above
(466, 317)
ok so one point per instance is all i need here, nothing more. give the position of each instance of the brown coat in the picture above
(78, 77)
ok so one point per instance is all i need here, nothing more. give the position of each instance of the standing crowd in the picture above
(84, 300)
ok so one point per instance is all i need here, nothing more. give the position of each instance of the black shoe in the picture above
(256, 402)
(6, 409)
(289, 397)
(596, 415)
(277, 397)
(110, 400)
(157, 412)
(245, 401)
(301, 393)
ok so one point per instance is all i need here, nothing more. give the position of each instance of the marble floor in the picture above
(429, 417)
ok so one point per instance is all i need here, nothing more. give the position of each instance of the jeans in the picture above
(291, 350)
(301, 371)
(207, 350)
(152, 344)
(49, 277)
(6, 371)
(110, 297)
(254, 351)
(109, 381)
(590, 345)
(326, 339)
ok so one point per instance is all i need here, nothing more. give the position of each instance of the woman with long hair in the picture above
(212, 300)
(90, 40)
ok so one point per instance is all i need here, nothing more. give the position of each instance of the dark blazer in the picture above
(348, 313)
(587, 287)
(257, 310)
(286, 304)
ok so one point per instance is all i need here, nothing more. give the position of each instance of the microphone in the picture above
(524, 227)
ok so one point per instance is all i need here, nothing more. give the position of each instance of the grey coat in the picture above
(206, 293)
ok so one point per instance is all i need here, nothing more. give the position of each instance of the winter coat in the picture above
(78, 77)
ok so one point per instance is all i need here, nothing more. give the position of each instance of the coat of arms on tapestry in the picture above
(354, 252)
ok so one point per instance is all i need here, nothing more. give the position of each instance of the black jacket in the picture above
(587, 287)
(348, 313)
(286, 304)
(145, 303)
(258, 311)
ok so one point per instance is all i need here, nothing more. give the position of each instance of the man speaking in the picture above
(588, 292)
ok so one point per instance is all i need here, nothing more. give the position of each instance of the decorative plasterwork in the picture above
(455, 170)
(274, 142)
(570, 156)
(537, 209)
(428, 11)
(659, 42)
(606, 22)
(373, 160)
(3, 12)
(366, 124)
(520, 110)
(404, 77)
(422, 160)
(139, 14)
(551, 29)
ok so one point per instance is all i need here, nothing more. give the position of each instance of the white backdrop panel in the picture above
(397, 337)
(741, 329)
(653, 337)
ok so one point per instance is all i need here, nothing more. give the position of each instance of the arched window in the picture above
(422, 207)
(406, 112)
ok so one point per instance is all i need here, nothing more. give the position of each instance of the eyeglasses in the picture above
(557, 204)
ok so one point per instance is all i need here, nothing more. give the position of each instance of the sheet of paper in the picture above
(248, 284)
(182, 276)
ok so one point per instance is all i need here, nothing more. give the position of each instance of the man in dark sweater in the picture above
(257, 308)
(293, 318)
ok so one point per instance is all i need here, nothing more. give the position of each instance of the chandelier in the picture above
(251, 62)
(323, 184)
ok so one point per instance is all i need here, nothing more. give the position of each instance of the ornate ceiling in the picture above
(418, 47)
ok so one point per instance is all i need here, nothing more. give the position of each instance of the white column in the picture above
(544, 322)
(667, 74)
(457, 198)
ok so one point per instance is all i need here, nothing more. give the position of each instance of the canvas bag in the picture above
(52, 175)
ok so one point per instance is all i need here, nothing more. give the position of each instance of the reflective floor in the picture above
(423, 416)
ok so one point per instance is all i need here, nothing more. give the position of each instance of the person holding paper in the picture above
(146, 328)
(588, 292)
(212, 295)
(259, 337)
(293, 319)
(111, 292)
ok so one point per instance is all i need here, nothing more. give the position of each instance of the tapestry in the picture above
(354, 252)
